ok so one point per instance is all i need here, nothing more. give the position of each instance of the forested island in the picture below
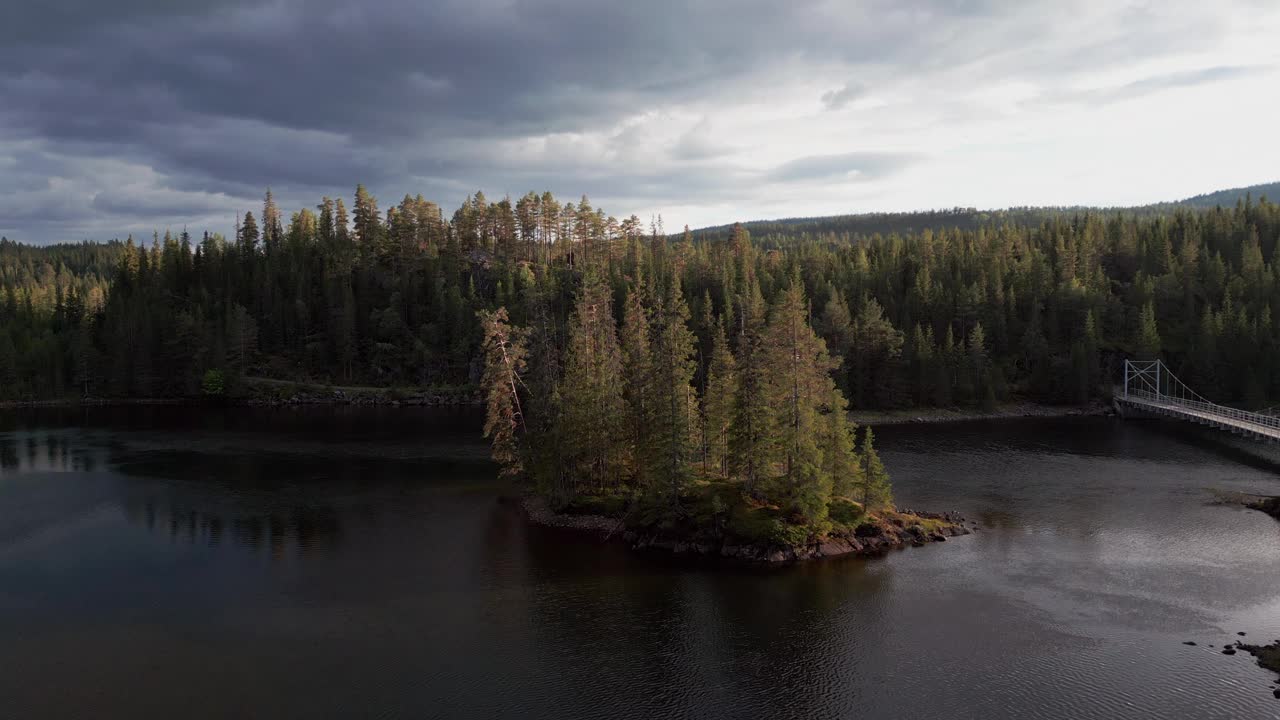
(760, 464)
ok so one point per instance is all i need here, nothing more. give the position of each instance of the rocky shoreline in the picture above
(1268, 656)
(338, 397)
(275, 393)
(868, 540)
(1268, 505)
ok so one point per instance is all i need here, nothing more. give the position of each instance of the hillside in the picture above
(1228, 198)
(907, 223)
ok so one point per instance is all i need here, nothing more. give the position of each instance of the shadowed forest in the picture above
(919, 312)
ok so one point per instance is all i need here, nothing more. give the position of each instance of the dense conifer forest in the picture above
(1042, 309)
(614, 420)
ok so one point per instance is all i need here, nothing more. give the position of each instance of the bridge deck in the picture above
(1260, 426)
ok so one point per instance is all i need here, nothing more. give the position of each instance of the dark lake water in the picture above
(157, 563)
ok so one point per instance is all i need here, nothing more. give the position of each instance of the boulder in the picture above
(833, 547)
(866, 530)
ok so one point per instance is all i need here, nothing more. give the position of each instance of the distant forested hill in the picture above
(907, 223)
(1228, 198)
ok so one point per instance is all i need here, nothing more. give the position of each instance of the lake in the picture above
(160, 562)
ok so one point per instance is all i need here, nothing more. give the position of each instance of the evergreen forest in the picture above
(1041, 307)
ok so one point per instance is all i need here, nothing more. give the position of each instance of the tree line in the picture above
(1043, 309)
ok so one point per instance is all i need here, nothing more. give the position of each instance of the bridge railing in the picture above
(1205, 406)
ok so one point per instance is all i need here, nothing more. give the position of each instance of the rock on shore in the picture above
(1268, 655)
(1268, 505)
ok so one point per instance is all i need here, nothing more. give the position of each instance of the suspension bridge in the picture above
(1149, 387)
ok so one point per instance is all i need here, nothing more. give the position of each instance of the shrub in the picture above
(213, 384)
(846, 512)
(762, 526)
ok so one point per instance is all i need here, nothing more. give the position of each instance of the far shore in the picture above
(313, 394)
(1007, 410)
(266, 392)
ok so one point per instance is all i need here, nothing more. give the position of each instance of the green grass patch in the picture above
(607, 504)
(845, 514)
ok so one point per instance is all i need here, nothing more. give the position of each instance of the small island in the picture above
(643, 432)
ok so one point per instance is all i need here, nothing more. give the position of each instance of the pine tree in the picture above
(504, 349)
(272, 230)
(368, 224)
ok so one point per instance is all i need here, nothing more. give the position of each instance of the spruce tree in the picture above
(875, 493)
(839, 456)
(248, 236)
(718, 402)
(799, 386)
(752, 437)
(592, 389)
(676, 405)
(1147, 345)
(638, 391)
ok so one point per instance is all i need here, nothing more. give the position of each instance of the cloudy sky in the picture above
(134, 115)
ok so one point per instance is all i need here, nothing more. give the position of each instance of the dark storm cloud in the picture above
(164, 203)
(218, 99)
